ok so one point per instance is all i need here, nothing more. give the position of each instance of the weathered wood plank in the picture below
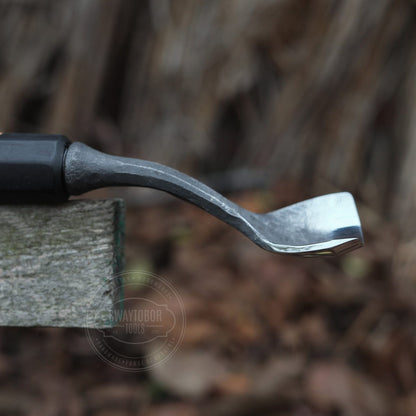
(58, 263)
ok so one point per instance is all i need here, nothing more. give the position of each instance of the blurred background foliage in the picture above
(318, 91)
(270, 101)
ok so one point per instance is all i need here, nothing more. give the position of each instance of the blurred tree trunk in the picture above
(318, 91)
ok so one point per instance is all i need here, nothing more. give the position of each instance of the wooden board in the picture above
(58, 263)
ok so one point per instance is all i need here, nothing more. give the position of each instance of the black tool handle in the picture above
(31, 168)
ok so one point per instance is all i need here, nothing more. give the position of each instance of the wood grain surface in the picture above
(58, 263)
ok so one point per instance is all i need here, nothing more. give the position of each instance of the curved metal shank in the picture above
(324, 225)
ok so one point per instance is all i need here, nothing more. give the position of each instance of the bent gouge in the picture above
(38, 168)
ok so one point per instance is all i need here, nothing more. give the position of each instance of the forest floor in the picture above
(265, 334)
